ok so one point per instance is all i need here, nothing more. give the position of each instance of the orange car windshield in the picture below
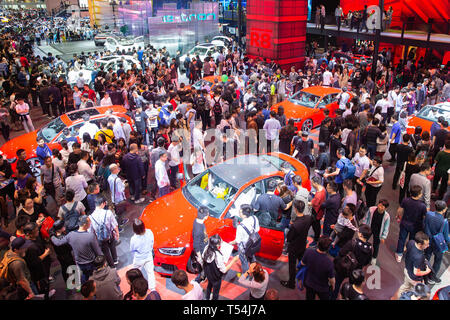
(209, 190)
(432, 113)
(51, 130)
(305, 99)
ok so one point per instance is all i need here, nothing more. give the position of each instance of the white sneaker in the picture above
(398, 257)
(132, 198)
(139, 201)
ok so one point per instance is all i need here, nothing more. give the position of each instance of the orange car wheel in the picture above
(307, 125)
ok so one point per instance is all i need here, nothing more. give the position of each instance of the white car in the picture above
(203, 50)
(222, 40)
(107, 62)
(124, 43)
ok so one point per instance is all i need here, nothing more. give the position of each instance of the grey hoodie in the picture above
(107, 281)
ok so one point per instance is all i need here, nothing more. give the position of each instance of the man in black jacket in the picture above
(371, 135)
(297, 239)
(331, 207)
(200, 237)
(403, 150)
(360, 249)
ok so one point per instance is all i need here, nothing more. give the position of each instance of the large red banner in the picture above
(276, 30)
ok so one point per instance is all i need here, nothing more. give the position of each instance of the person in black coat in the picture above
(297, 240)
(64, 252)
(361, 249)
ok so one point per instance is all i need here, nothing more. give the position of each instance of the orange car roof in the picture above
(321, 91)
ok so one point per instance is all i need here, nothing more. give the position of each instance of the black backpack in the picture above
(201, 102)
(253, 244)
(217, 108)
(71, 217)
(346, 264)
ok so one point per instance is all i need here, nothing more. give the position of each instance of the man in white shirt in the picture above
(362, 164)
(400, 101)
(272, 127)
(193, 289)
(84, 168)
(344, 97)
(174, 151)
(152, 122)
(392, 99)
(384, 104)
(247, 96)
(106, 101)
(126, 129)
(117, 128)
(252, 224)
(327, 76)
(88, 127)
(102, 219)
(162, 178)
(197, 136)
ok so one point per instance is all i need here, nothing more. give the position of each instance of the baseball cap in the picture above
(19, 243)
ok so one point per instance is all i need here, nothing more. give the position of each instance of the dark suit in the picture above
(297, 239)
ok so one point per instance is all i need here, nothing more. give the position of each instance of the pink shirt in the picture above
(22, 108)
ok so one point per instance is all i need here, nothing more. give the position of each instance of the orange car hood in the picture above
(171, 220)
(292, 110)
(25, 141)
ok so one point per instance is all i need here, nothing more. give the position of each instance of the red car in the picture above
(52, 133)
(306, 106)
(222, 188)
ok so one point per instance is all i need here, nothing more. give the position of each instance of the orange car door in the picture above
(318, 114)
(332, 103)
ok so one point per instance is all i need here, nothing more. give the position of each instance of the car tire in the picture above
(35, 166)
(307, 125)
(189, 266)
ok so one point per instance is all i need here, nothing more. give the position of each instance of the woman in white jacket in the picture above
(141, 244)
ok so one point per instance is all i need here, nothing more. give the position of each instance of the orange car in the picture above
(427, 115)
(52, 133)
(306, 106)
(222, 188)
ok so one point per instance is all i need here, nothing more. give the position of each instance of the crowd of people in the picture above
(354, 19)
(97, 173)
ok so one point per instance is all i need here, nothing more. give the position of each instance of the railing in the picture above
(398, 24)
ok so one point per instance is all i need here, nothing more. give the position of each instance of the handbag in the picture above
(401, 180)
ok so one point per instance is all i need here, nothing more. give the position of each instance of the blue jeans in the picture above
(164, 190)
(284, 226)
(371, 150)
(402, 235)
(327, 222)
(135, 188)
(86, 271)
(438, 255)
(245, 261)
